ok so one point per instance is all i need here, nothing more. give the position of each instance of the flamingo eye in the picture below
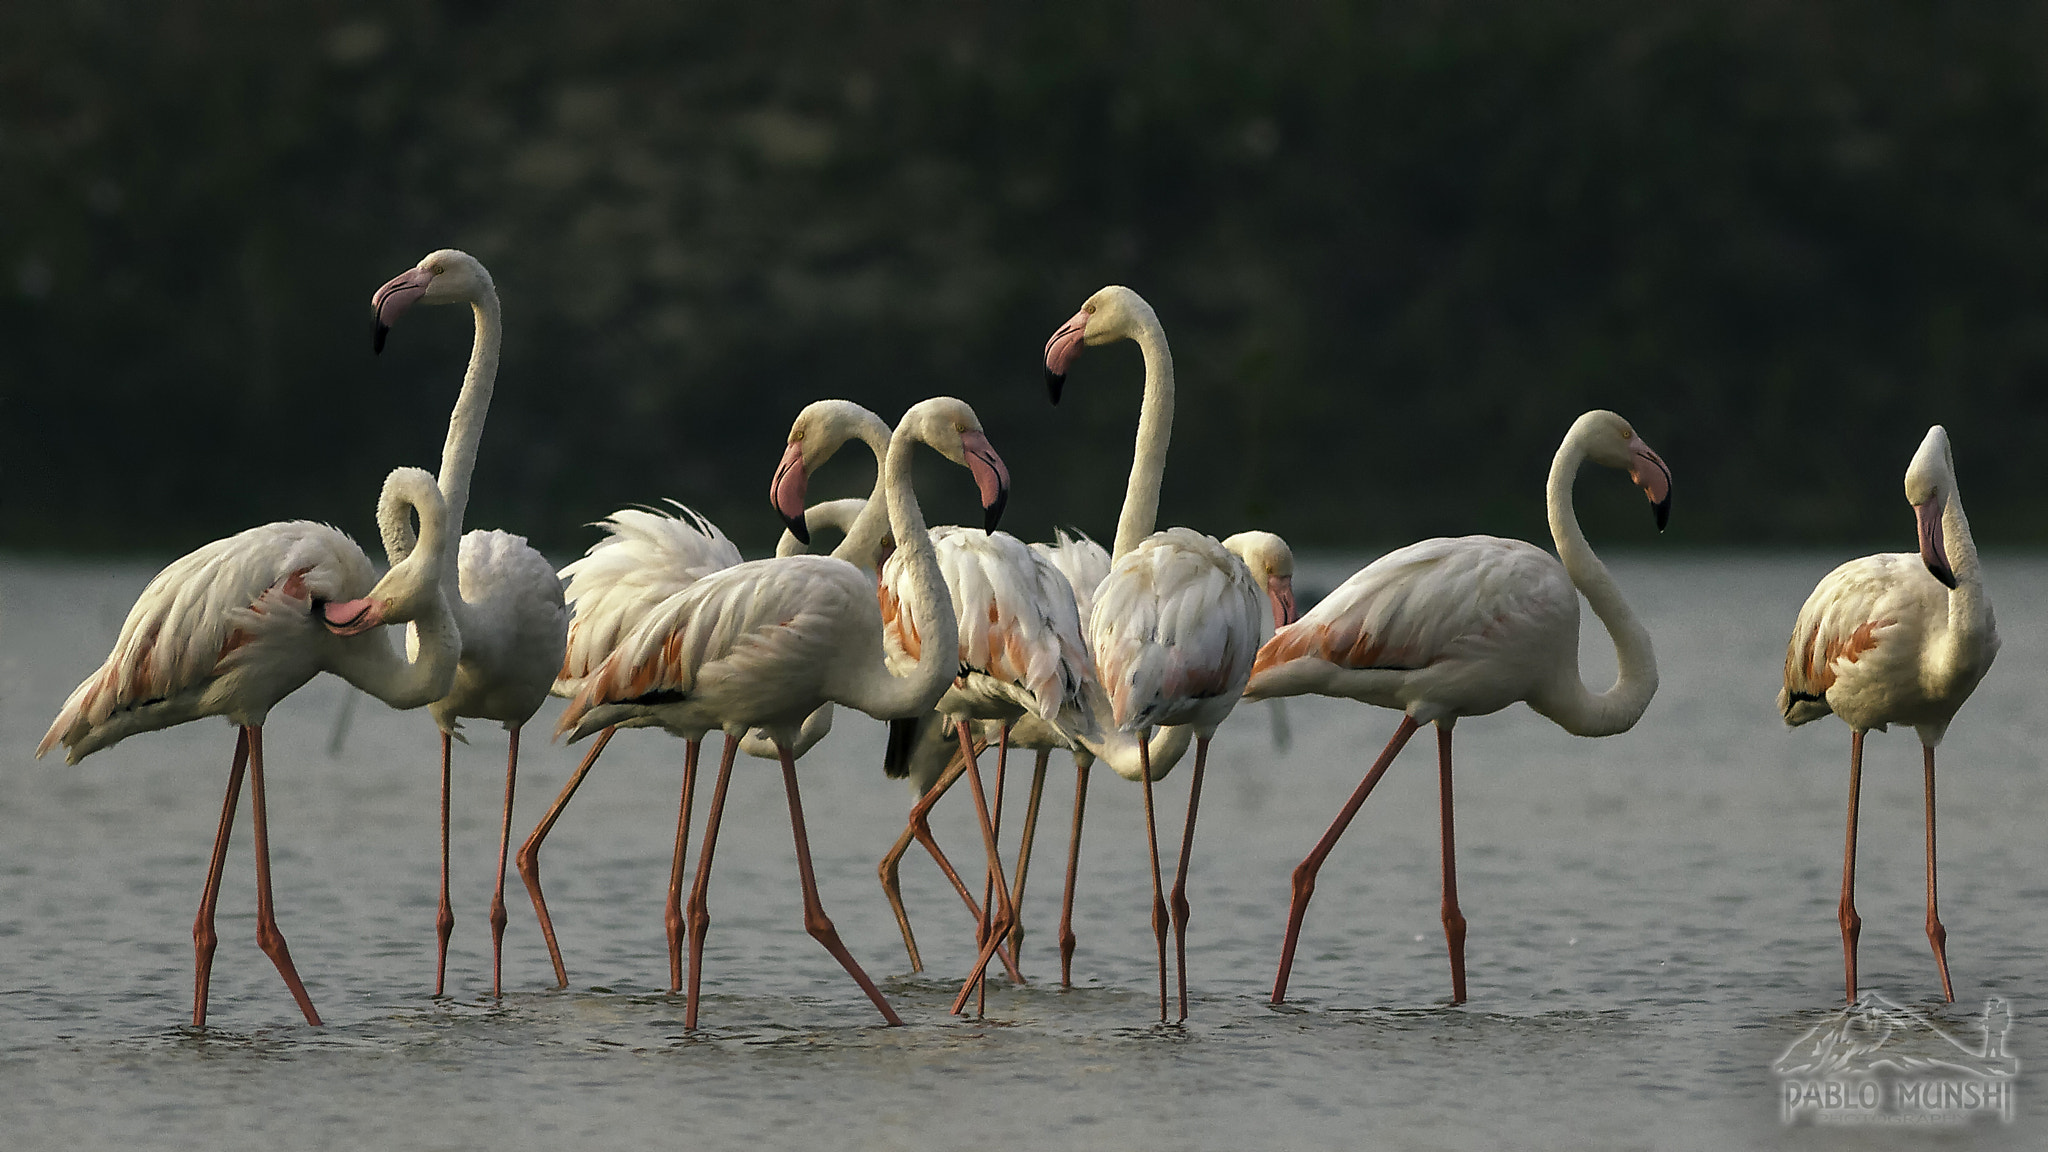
(1088, 308)
(796, 437)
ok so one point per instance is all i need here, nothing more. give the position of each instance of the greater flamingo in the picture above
(1466, 626)
(505, 595)
(1176, 621)
(241, 623)
(648, 556)
(763, 644)
(1896, 638)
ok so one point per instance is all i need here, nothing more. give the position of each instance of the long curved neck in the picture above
(891, 697)
(1570, 704)
(1155, 427)
(466, 423)
(415, 589)
(862, 546)
(1969, 609)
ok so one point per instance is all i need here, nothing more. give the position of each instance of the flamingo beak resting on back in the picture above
(788, 488)
(990, 475)
(394, 298)
(1933, 552)
(351, 617)
(1653, 476)
(1061, 350)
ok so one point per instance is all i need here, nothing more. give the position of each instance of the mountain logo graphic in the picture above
(1876, 1061)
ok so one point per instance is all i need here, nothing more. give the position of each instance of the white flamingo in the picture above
(1465, 627)
(505, 595)
(763, 644)
(646, 557)
(1896, 638)
(1176, 621)
(239, 624)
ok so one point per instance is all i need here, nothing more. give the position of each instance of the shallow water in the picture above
(1651, 918)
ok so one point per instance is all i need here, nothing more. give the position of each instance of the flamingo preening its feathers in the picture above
(1896, 638)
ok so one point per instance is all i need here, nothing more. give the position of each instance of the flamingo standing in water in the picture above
(505, 595)
(1465, 627)
(236, 626)
(764, 644)
(1176, 622)
(1896, 638)
(646, 557)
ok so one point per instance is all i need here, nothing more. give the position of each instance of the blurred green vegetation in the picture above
(1397, 248)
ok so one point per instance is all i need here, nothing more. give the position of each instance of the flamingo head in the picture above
(954, 431)
(1272, 567)
(1928, 481)
(1114, 313)
(412, 587)
(1610, 440)
(444, 277)
(818, 432)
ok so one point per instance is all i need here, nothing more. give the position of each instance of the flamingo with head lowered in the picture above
(1466, 626)
(1896, 638)
(764, 644)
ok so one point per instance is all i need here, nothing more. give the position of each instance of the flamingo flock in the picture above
(962, 639)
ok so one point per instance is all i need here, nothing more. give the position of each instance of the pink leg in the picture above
(1454, 920)
(700, 904)
(674, 919)
(498, 917)
(1936, 934)
(204, 938)
(815, 920)
(1852, 924)
(1158, 891)
(1305, 872)
(1067, 940)
(918, 829)
(444, 918)
(1180, 877)
(999, 916)
(529, 854)
(268, 937)
(1024, 847)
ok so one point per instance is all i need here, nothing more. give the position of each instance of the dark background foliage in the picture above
(1397, 248)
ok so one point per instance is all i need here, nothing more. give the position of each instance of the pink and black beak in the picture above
(350, 617)
(990, 475)
(1280, 590)
(1061, 350)
(788, 489)
(1933, 548)
(1653, 476)
(393, 299)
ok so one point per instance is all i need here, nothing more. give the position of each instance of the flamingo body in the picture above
(1174, 630)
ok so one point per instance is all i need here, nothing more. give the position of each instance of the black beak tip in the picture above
(1663, 510)
(798, 529)
(1054, 382)
(992, 515)
(379, 329)
(1942, 573)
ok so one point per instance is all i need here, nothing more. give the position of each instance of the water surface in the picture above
(1652, 923)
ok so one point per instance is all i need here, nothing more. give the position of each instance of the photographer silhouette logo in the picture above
(1874, 1062)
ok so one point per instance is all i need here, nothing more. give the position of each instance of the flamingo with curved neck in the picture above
(1465, 627)
(763, 644)
(505, 595)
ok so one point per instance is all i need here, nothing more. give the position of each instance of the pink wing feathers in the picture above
(1177, 621)
(646, 557)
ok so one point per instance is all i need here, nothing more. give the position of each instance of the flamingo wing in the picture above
(1851, 612)
(206, 614)
(773, 628)
(646, 557)
(1176, 621)
(1431, 601)
(1082, 561)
